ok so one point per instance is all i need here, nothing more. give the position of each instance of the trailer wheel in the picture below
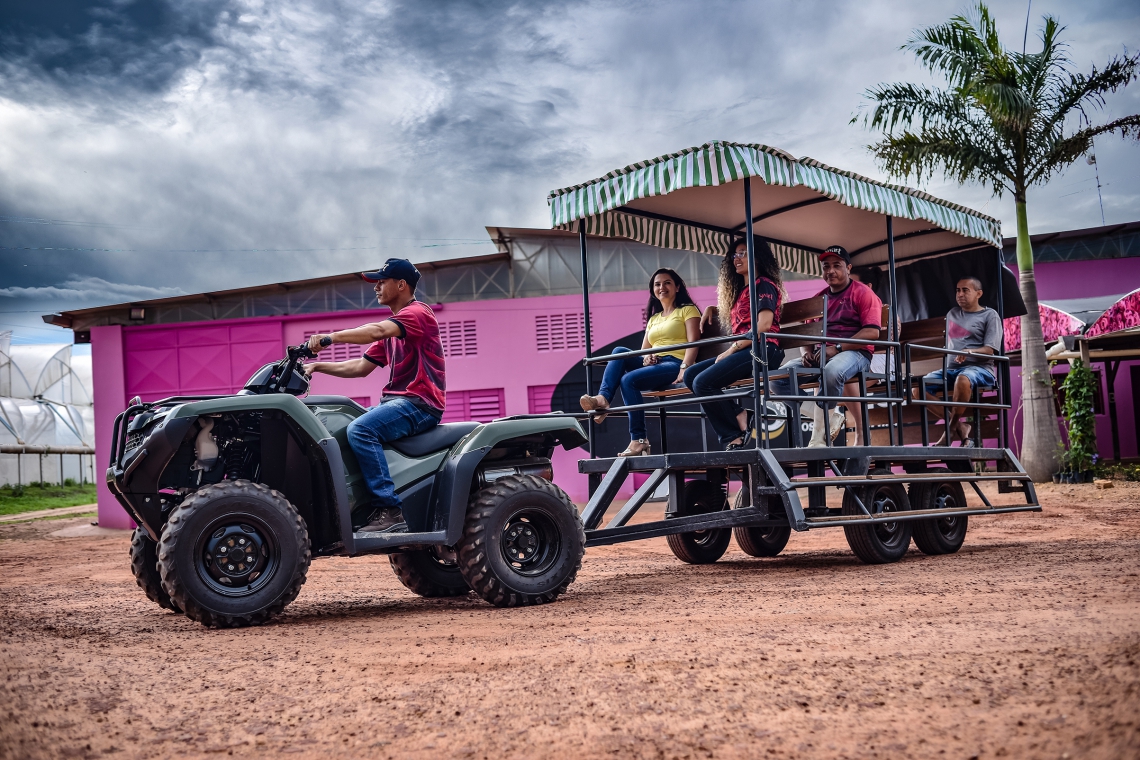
(144, 566)
(701, 547)
(878, 543)
(761, 541)
(522, 542)
(431, 572)
(939, 535)
(234, 554)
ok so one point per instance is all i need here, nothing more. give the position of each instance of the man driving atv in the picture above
(412, 402)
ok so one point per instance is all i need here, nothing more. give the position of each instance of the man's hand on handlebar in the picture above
(318, 342)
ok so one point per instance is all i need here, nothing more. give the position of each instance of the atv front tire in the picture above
(432, 572)
(522, 542)
(233, 554)
(144, 566)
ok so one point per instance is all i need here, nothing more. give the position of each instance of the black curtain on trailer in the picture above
(926, 286)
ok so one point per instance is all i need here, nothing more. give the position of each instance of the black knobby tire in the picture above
(253, 528)
(522, 542)
(878, 543)
(701, 547)
(764, 541)
(432, 572)
(144, 566)
(942, 535)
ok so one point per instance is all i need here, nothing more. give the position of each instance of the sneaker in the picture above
(385, 521)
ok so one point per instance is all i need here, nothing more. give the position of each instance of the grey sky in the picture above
(203, 145)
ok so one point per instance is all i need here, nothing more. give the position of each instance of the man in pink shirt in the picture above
(853, 311)
(412, 401)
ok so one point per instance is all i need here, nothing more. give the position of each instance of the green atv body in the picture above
(233, 495)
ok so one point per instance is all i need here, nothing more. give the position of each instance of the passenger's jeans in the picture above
(632, 377)
(840, 368)
(394, 418)
(710, 377)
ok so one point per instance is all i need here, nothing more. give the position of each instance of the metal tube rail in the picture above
(28, 448)
(952, 351)
(646, 351)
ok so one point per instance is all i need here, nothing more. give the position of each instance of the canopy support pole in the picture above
(586, 323)
(1003, 368)
(892, 362)
(759, 408)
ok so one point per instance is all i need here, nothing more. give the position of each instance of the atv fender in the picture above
(456, 479)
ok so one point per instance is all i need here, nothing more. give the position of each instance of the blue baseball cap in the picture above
(395, 269)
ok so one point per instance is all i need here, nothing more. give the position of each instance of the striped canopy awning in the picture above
(692, 200)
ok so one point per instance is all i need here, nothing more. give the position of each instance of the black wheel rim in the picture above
(530, 542)
(946, 498)
(891, 533)
(445, 557)
(237, 555)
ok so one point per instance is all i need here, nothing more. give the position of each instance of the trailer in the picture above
(896, 486)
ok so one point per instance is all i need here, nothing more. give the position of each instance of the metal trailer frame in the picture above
(771, 477)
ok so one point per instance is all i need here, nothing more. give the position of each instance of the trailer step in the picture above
(915, 514)
(948, 477)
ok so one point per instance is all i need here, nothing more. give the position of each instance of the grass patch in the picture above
(32, 496)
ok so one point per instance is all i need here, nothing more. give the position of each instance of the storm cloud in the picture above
(156, 147)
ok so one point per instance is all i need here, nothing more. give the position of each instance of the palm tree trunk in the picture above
(1040, 435)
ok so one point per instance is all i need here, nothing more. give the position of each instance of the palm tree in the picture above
(1007, 120)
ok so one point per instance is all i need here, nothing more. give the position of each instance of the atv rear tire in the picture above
(940, 535)
(878, 543)
(761, 541)
(432, 572)
(522, 542)
(233, 554)
(144, 566)
(701, 547)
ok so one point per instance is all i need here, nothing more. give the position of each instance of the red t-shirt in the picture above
(852, 309)
(767, 297)
(416, 357)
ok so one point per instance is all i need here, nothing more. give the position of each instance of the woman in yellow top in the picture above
(673, 319)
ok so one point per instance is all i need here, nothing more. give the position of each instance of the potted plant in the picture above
(1080, 423)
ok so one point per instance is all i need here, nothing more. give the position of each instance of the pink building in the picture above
(512, 328)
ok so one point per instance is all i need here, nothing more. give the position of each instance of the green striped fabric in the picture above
(718, 163)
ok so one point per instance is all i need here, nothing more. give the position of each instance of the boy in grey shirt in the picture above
(977, 330)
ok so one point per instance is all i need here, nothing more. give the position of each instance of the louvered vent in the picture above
(458, 338)
(559, 332)
(337, 352)
(478, 405)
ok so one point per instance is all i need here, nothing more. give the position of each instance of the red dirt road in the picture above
(1024, 644)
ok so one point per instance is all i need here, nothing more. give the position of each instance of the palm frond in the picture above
(1062, 152)
(966, 154)
(908, 103)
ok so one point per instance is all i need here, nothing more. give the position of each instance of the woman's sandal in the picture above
(592, 403)
(642, 449)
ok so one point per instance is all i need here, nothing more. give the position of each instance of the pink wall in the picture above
(1087, 279)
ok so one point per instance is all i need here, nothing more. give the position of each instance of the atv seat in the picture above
(330, 401)
(439, 437)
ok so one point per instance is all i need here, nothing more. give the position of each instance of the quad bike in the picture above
(233, 496)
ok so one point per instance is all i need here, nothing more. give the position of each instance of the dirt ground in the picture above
(1024, 644)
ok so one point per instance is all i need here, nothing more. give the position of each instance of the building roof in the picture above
(1113, 241)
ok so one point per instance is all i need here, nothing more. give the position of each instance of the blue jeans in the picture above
(840, 368)
(979, 377)
(632, 377)
(710, 377)
(392, 419)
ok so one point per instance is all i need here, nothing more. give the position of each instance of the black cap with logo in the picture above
(395, 269)
(836, 250)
